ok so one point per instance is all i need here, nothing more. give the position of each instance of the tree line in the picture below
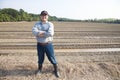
(11, 15)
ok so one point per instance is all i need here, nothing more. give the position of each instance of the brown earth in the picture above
(84, 51)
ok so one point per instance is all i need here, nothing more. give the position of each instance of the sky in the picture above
(73, 9)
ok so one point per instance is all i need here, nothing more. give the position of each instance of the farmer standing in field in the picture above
(44, 31)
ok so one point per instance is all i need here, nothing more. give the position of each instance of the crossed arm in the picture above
(41, 33)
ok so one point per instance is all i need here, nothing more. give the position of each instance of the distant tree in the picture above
(24, 15)
(34, 17)
(53, 18)
(9, 13)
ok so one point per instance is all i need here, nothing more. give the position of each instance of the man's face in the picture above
(44, 18)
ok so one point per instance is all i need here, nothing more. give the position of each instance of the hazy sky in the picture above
(74, 9)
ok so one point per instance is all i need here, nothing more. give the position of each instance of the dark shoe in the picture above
(56, 71)
(39, 69)
(57, 74)
(39, 72)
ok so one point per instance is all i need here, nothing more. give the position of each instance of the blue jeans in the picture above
(49, 50)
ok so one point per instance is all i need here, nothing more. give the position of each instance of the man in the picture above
(44, 31)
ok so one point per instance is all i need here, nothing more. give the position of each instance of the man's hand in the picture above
(41, 34)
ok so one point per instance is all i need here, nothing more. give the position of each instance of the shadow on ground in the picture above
(24, 71)
(16, 72)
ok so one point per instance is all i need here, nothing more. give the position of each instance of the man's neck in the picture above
(44, 22)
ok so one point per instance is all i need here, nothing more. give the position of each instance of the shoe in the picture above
(39, 69)
(56, 71)
(39, 72)
(57, 74)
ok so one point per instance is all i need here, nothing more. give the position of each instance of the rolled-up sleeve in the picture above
(50, 31)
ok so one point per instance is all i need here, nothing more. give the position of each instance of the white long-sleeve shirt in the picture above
(47, 28)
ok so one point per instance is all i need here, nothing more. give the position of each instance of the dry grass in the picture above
(24, 67)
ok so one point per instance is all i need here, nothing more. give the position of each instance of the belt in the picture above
(43, 44)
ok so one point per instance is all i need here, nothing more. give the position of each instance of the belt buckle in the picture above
(44, 44)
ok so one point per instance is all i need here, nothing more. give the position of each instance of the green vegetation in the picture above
(10, 15)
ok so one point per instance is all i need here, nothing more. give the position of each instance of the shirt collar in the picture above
(43, 23)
